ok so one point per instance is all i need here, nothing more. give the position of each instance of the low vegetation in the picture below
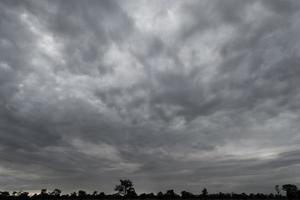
(125, 190)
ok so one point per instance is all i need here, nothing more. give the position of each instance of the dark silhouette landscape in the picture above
(125, 190)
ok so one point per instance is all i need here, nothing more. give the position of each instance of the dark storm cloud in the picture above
(170, 94)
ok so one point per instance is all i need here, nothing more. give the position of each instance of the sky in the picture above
(169, 94)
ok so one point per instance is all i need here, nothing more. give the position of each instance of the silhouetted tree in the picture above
(125, 188)
(291, 190)
(82, 194)
(170, 194)
(204, 192)
(159, 195)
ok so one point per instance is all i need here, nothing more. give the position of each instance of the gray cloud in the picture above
(169, 94)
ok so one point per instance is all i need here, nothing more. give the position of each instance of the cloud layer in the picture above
(171, 94)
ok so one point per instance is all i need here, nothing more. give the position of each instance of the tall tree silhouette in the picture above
(125, 188)
(204, 192)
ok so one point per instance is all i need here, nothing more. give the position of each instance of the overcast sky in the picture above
(170, 94)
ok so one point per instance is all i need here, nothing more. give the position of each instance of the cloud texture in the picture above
(171, 94)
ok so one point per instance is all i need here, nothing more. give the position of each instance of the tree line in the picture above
(125, 190)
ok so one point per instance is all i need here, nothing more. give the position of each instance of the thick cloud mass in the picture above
(171, 94)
